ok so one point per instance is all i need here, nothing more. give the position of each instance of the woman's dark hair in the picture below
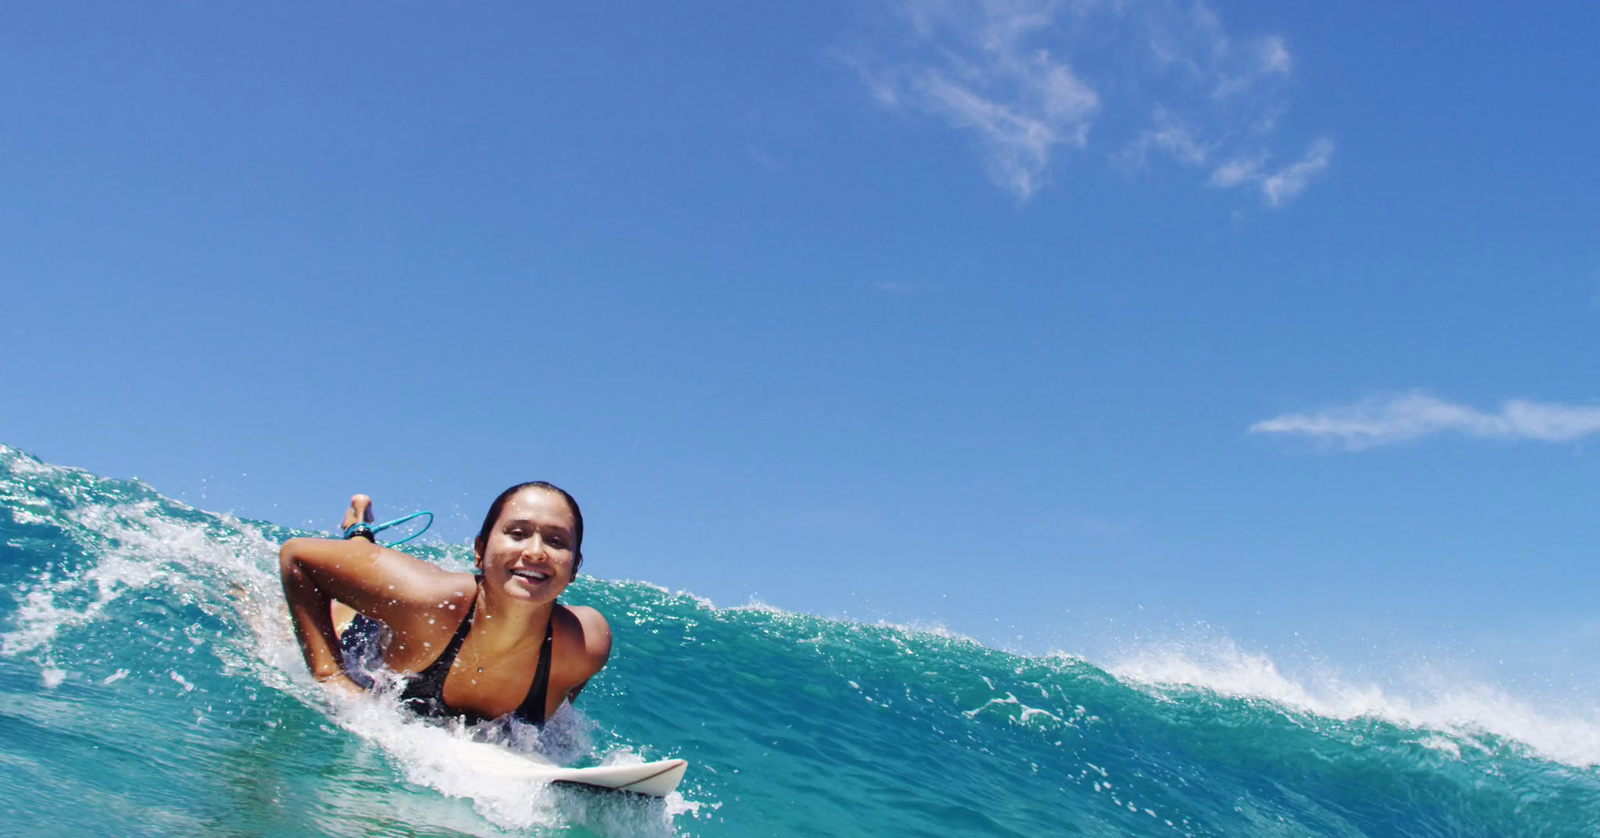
(499, 505)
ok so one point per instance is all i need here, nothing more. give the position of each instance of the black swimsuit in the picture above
(424, 691)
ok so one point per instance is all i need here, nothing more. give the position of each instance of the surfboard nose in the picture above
(663, 782)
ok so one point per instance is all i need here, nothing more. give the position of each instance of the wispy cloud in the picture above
(1028, 79)
(984, 74)
(1275, 55)
(1413, 415)
(1169, 135)
(1280, 185)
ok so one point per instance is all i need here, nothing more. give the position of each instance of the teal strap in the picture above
(371, 530)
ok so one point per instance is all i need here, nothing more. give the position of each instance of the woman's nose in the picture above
(533, 546)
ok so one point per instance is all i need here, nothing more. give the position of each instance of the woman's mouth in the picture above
(530, 575)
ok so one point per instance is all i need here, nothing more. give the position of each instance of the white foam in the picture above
(1441, 744)
(1461, 710)
(22, 463)
(23, 515)
(754, 606)
(1024, 715)
(448, 759)
(427, 755)
(41, 616)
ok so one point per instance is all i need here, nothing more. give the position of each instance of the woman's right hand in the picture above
(341, 686)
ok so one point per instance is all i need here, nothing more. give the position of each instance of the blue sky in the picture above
(1058, 324)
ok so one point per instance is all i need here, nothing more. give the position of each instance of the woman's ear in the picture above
(577, 562)
(477, 553)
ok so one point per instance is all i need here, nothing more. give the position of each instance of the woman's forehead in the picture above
(538, 504)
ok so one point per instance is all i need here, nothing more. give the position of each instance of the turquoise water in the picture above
(149, 686)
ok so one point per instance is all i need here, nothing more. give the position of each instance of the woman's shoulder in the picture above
(589, 634)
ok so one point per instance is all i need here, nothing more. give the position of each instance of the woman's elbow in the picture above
(289, 558)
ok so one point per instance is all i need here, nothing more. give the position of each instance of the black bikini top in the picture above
(424, 693)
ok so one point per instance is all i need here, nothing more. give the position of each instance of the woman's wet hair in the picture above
(499, 505)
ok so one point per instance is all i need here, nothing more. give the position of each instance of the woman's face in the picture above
(530, 553)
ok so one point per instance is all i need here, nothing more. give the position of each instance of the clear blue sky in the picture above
(1017, 317)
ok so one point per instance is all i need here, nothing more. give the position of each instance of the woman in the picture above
(477, 645)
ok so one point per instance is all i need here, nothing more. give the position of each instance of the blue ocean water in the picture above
(149, 685)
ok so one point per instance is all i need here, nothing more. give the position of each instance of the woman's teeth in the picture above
(531, 574)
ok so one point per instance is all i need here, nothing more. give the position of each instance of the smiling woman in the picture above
(481, 645)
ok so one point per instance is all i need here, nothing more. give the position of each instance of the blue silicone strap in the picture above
(374, 529)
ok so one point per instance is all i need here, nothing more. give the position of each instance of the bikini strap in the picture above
(429, 683)
(532, 708)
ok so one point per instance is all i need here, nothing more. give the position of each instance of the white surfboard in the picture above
(655, 779)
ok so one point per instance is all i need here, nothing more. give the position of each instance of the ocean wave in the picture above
(145, 657)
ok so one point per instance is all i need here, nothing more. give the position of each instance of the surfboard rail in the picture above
(651, 779)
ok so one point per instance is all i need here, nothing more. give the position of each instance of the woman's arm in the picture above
(590, 652)
(388, 585)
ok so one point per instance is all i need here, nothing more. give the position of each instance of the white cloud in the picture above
(1236, 171)
(1291, 180)
(1413, 415)
(1048, 107)
(981, 76)
(1238, 72)
(1275, 56)
(1279, 186)
(1172, 137)
(1027, 79)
